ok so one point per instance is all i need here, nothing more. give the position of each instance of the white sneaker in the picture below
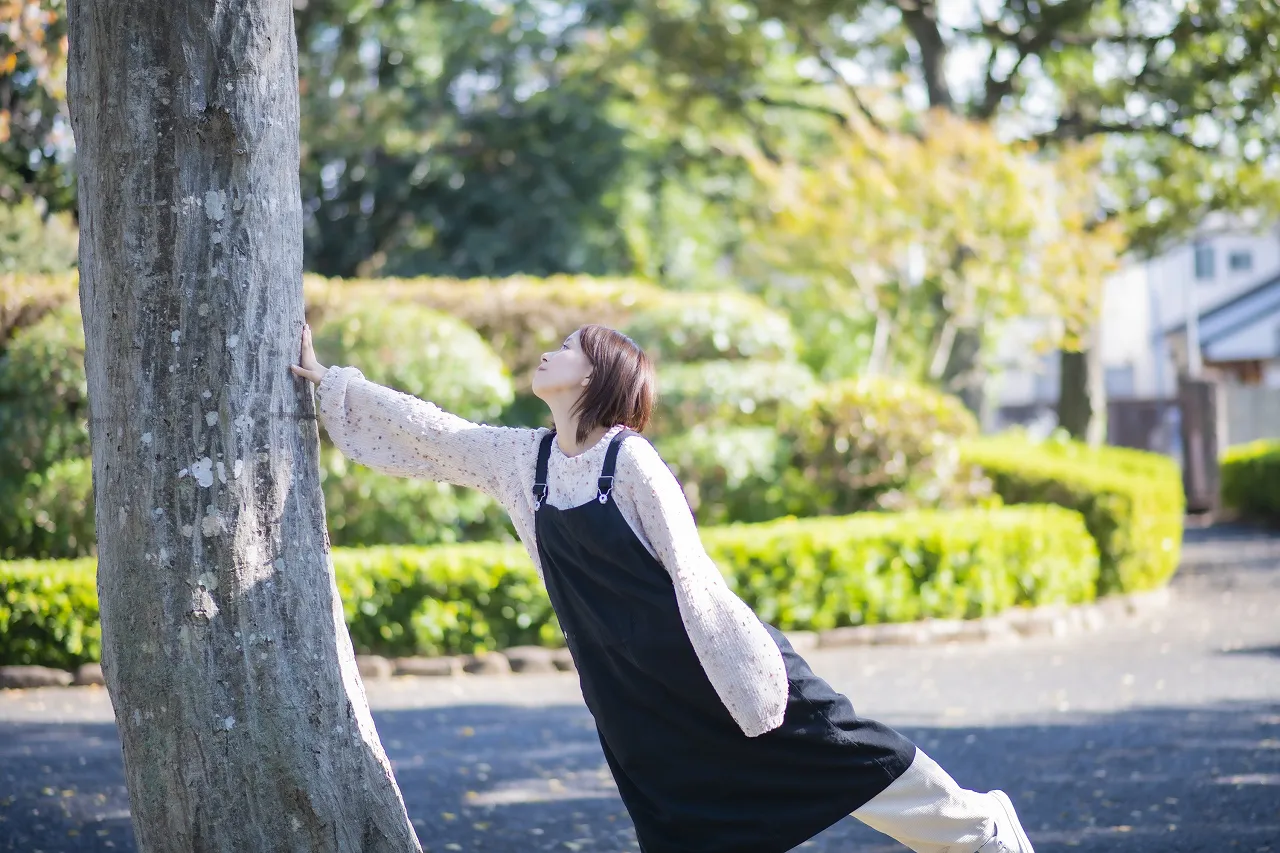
(1010, 836)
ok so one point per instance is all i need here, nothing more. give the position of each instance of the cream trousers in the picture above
(927, 811)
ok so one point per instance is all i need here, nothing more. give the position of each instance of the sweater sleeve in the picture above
(401, 435)
(740, 658)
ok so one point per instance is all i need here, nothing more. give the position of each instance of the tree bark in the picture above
(242, 718)
(964, 374)
(921, 18)
(1082, 402)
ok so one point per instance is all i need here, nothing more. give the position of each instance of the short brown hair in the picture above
(622, 389)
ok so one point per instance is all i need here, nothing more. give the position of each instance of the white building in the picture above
(1229, 275)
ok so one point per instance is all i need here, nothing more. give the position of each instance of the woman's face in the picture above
(562, 372)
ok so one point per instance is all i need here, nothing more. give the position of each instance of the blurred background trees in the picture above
(898, 176)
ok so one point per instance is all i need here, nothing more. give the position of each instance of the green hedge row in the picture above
(1132, 501)
(1251, 479)
(797, 574)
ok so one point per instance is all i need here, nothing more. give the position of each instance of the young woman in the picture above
(719, 736)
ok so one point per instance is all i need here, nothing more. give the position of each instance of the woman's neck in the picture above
(567, 433)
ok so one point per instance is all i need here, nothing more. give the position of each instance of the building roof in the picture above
(1238, 313)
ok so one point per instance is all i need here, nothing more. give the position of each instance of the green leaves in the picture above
(1132, 501)
(364, 507)
(704, 326)
(908, 239)
(420, 352)
(1251, 479)
(811, 575)
(876, 443)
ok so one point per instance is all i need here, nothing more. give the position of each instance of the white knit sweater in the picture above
(402, 435)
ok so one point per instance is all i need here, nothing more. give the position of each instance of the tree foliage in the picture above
(915, 237)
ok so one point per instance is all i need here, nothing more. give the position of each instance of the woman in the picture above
(719, 736)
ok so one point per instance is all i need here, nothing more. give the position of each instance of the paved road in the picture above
(1160, 734)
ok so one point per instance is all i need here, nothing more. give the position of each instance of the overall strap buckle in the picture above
(602, 490)
(540, 472)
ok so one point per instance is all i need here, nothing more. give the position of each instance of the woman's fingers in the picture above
(308, 367)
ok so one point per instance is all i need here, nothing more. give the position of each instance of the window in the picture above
(1241, 261)
(1204, 261)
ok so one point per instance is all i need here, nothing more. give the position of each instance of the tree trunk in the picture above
(963, 375)
(921, 18)
(1082, 402)
(242, 718)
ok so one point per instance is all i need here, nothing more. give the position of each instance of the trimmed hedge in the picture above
(26, 297)
(875, 443)
(365, 508)
(729, 474)
(49, 613)
(44, 400)
(871, 568)
(723, 392)
(1132, 501)
(797, 574)
(1251, 479)
(523, 317)
(692, 327)
(420, 352)
(50, 514)
(45, 481)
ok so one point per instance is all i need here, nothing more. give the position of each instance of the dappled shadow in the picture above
(500, 778)
(1265, 651)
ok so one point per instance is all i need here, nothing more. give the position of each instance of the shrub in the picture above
(1251, 479)
(821, 573)
(420, 352)
(32, 243)
(520, 317)
(445, 600)
(877, 443)
(49, 613)
(50, 513)
(730, 474)
(806, 574)
(45, 485)
(727, 392)
(1131, 501)
(43, 395)
(365, 507)
(26, 297)
(707, 326)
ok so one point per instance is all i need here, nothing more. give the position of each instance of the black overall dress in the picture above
(690, 779)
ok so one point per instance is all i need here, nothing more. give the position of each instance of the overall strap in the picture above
(540, 473)
(605, 484)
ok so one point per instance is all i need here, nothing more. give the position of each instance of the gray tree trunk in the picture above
(1082, 398)
(243, 721)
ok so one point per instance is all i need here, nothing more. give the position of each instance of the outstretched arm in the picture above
(740, 658)
(401, 435)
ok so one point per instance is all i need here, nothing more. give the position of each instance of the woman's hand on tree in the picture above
(307, 366)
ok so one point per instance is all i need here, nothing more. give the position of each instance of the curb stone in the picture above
(531, 659)
(90, 673)
(487, 663)
(373, 666)
(1011, 625)
(23, 677)
(432, 667)
(1050, 620)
